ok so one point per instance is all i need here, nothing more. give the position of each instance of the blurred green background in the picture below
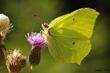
(21, 14)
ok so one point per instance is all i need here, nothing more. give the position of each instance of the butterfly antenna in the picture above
(39, 18)
(33, 26)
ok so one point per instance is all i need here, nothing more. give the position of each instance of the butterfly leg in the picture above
(42, 32)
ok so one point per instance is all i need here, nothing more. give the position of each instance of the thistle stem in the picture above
(31, 69)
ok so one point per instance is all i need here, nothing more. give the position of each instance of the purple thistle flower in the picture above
(36, 39)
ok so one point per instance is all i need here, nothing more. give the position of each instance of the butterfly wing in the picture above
(70, 42)
(67, 47)
(81, 20)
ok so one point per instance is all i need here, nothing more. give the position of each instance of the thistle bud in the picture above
(4, 24)
(2, 56)
(34, 56)
(15, 61)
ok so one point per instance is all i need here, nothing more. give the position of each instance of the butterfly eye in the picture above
(45, 25)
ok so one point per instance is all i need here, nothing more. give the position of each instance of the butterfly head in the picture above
(44, 25)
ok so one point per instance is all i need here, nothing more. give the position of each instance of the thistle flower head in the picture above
(4, 24)
(15, 61)
(36, 39)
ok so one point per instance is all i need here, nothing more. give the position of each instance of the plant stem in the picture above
(31, 69)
